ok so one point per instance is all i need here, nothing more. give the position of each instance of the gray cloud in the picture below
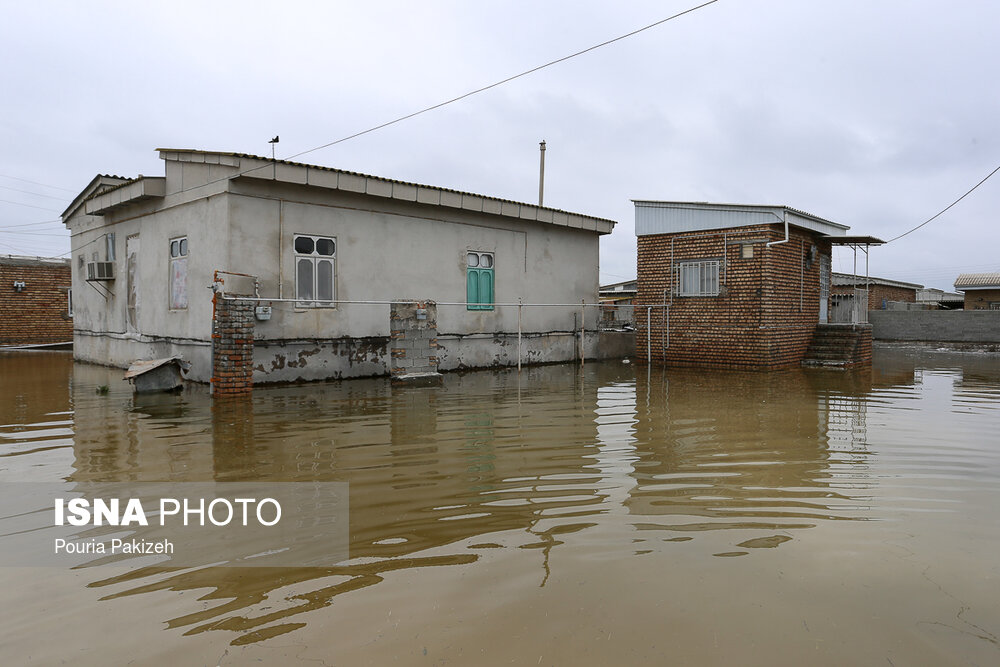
(873, 114)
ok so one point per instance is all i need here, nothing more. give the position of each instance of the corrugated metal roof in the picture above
(28, 260)
(97, 185)
(670, 217)
(624, 286)
(841, 279)
(551, 215)
(977, 281)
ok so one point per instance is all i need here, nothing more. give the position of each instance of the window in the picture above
(746, 251)
(479, 280)
(314, 271)
(69, 302)
(698, 278)
(109, 247)
(178, 273)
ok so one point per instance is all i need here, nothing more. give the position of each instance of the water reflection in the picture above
(751, 452)
(556, 466)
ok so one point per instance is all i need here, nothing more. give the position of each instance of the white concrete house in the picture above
(145, 251)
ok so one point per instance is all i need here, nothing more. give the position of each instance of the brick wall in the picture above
(40, 312)
(764, 316)
(863, 353)
(879, 294)
(979, 299)
(232, 346)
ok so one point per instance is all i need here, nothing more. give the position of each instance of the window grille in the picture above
(698, 278)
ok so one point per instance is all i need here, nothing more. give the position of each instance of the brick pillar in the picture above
(863, 351)
(232, 346)
(414, 345)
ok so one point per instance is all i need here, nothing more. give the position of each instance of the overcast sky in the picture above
(872, 113)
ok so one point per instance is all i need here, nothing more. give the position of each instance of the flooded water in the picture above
(609, 515)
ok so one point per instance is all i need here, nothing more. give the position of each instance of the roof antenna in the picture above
(273, 142)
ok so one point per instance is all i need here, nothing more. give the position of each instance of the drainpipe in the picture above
(649, 336)
(784, 216)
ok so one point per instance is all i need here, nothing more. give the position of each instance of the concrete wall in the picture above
(406, 251)
(937, 325)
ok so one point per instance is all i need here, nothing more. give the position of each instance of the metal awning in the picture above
(854, 240)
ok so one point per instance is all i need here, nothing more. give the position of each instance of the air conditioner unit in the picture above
(100, 270)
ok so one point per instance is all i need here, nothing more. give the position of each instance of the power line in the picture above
(31, 224)
(932, 218)
(35, 194)
(24, 180)
(50, 210)
(40, 208)
(32, 233)
(507, 80)
(465, 95)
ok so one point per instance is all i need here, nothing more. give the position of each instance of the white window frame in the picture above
(177, 253)
(316, 258)
(698, 278)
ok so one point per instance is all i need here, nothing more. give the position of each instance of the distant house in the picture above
(323, 252)
(737, 286)
(618, 300)
(36, 303)
(881, 291)
(982, 290)
(935, 299)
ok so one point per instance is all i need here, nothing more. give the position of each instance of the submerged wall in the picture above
(960, 326)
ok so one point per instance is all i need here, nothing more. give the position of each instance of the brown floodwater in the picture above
(607, 515)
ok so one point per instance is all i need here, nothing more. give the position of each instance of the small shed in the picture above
(736, 285)
(157, 374)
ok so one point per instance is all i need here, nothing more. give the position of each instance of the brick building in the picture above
(35, 301)
(735, 286)
(982, 290)
(881, 291)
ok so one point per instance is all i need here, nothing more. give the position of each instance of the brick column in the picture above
(232, 346)
(414, 345)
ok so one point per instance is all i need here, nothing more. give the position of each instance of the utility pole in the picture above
(541, 172)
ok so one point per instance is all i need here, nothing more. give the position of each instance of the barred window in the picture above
(315, 278)
(699, 278)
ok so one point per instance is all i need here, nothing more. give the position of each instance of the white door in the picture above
(824, 288)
